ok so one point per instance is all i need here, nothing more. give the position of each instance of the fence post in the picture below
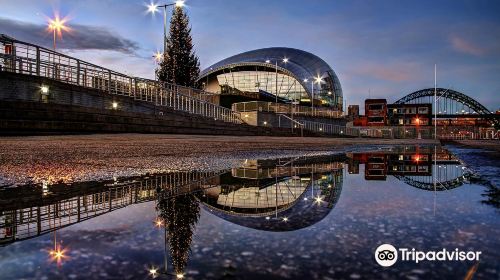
(37, 61)
(78, 72)
(109, 81)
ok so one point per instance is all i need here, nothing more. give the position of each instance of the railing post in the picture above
(135, 88)
(38, 61)
(109, 81)
(78, 72)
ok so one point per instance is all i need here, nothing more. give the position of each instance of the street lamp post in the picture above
(157, 57)
(318, 80)
(153, 8)
(284, 60)
(56, 25)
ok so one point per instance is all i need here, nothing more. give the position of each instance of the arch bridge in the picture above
(451, 104)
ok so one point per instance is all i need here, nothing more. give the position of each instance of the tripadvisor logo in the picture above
(387, 255)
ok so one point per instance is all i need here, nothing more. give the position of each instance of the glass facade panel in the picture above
(253, 81)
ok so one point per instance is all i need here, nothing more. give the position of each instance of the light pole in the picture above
(157, 57)
(56, 25)
(318, 80)
(285, 60)
(153, 8)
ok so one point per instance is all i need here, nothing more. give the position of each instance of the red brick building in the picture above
(376, 112)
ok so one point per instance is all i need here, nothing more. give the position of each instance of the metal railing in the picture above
(25, 58)
(318, 127)
(294, 123)
(294, 109)
(330, 129)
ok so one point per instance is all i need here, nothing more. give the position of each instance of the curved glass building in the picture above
(294, 75)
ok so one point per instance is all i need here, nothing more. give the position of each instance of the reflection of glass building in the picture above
(279, 198)
(252, 76)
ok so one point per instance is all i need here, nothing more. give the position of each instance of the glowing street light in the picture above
(153, 8)
(158, 56)
(56, 25)
(44, 89)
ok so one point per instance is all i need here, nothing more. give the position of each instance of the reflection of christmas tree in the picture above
(180, 215)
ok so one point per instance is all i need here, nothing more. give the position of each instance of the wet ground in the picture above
(88, 157)
(312, 214)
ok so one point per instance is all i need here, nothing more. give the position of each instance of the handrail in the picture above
(26, 58)
(264, 106)
(285, 116)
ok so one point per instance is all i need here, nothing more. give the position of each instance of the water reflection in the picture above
(277, 196)
(426, 168)
(273, 195)
(269, 195)
(180, 215)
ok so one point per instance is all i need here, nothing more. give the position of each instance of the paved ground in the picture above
(88, 157)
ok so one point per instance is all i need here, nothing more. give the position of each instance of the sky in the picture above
(378, 49)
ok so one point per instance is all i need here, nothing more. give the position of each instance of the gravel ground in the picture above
(92, 157)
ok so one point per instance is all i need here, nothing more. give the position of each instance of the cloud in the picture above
(81, 37)
(392, 72)
(464, 46)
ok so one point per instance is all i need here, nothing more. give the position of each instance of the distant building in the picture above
(409, 114)
(376, 112)
(379, 113)
(353, 112)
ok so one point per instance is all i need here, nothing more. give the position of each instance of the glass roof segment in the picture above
(301, 65)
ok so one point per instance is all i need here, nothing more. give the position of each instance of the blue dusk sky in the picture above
(383, 49)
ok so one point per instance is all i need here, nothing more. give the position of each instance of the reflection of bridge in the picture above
(39, 212)
(451, 104)
(423, 168)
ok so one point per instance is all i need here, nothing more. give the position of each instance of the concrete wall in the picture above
(17, 87)
(73, 109)
(272, 120)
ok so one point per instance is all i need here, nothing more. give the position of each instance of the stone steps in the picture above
(21, 117)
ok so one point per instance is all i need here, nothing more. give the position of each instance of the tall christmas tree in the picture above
(180, 64)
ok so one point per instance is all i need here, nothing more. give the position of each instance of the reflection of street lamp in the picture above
(417, 123)
(153, 8)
